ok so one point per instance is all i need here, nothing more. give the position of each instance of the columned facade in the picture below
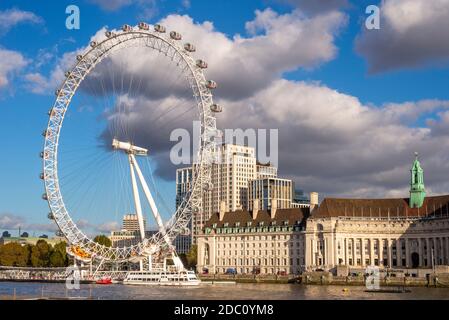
(359, 243)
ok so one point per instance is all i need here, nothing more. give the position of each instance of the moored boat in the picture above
(162, 278)
(104, 281)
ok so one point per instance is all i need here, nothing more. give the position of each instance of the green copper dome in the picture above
(417, 190)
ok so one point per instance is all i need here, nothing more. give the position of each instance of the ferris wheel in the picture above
(120, 142)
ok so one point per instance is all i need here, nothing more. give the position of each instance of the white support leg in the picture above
(151, 201)
(132, 165)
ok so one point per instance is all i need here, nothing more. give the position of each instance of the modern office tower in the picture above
(183, 184)
(266, 171)
(131, 223)
(265, 189)
(130, 232)
(234, 168)
(184, 179)
(300, 199)
(230, 176)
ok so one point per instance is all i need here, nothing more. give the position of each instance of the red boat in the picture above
(104, 281)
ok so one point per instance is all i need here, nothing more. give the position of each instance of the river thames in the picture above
(212, 292)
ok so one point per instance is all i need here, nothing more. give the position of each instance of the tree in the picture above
(6, 234)
(191, 257)
(58, 257)
(103, 240)
(24, 235)
(13, 254)
(40, 254)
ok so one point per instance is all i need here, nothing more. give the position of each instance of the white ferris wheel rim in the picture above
(201, 170)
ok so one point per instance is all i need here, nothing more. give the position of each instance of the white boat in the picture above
(162, 278)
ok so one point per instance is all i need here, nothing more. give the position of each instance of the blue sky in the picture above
(415, 91)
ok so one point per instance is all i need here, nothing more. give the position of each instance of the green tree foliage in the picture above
(13, 254)
(58, 257)
(190, 259)
(102, 239)
(40, 255)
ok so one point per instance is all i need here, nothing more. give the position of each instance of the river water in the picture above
(212, 292)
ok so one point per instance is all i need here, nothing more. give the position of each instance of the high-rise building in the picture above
(230, 176)
(130, 232)
(131, 223)
(265, 189)
(300, 199)
(183, 184)
(236, 166)
(184, 179)
(266, 171)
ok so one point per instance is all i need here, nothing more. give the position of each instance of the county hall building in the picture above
(409, 234)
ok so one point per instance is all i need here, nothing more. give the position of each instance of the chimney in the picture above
(255, 208)
(313, 200)
(274, 207)
(222, 210)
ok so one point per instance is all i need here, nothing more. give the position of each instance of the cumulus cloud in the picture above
(241, 65)
(282, 43)
(10, 63)
(107, 227)
(40, 84)
(413, 33)
(331, 142)
(278, 43)
(10, 221)
(11, 17)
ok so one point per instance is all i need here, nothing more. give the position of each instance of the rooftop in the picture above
(242, 216)
(396, 207)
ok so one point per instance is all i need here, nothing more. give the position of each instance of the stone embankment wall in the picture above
(326, 278)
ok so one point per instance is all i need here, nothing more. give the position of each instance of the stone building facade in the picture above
(409, 235)
(261, 241)
(378, 232)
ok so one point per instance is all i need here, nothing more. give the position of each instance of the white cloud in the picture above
(10, 221)
(40, 84)
(413, 33)
(333, 143)
(11, 17)
(240, 65)
(10, 63)
(286, 42)
(107, 227)
(14, 222)
(329, 141)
